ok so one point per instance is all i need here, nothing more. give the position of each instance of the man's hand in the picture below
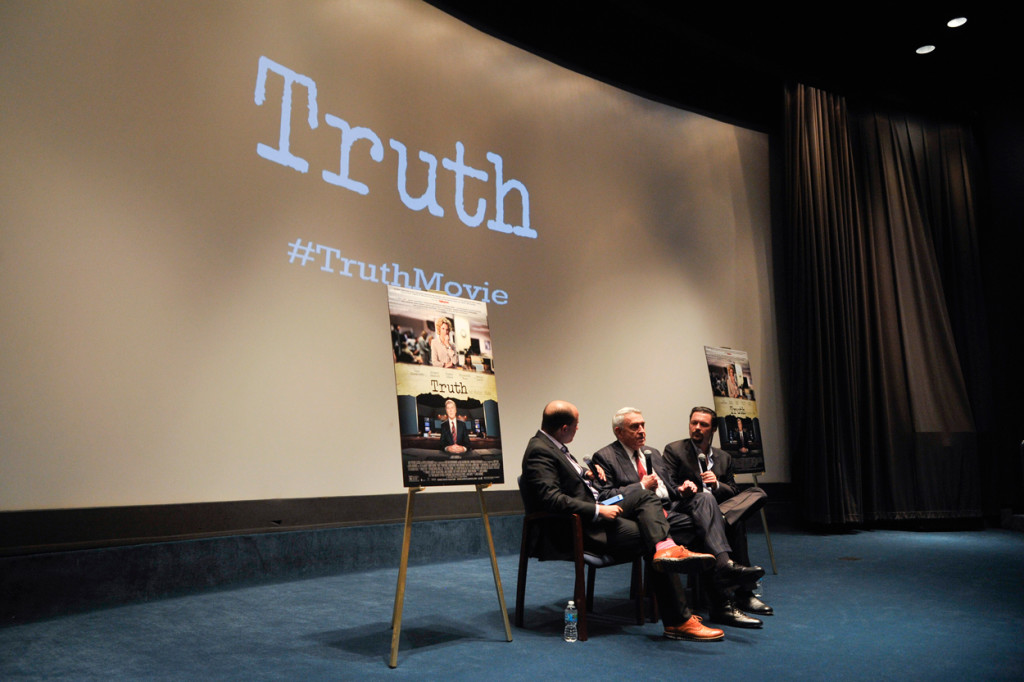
(608, 511)
(710, 480)
(687, 488)
(590, 475)
(455, 449)
(650, 481)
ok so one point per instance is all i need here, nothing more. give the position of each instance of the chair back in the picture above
(547, 536)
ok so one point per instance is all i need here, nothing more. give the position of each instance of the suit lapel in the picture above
(693, 464)
(568, 470)
(625, 463)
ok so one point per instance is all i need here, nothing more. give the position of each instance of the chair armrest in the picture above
(554, 525)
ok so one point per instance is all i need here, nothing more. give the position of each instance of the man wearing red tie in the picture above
(454, 434)
(629, 463)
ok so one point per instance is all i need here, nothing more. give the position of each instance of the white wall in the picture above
(156, 344)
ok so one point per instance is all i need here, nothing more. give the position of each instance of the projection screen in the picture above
(204, 202)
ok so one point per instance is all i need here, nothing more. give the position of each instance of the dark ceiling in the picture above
(733, 61)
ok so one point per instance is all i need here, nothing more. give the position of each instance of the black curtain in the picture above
(882, 314)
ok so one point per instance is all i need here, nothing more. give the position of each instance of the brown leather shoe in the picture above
(695, 631)
(678, 559)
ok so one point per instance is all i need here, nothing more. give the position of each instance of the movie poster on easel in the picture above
(447, 393)
(739, 429)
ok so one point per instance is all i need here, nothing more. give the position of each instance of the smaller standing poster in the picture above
(447, 395)
(739, 429)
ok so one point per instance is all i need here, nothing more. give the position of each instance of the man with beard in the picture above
(696, 469)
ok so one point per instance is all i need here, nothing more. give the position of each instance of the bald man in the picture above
(553, 481)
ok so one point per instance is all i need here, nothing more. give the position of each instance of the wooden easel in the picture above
(767, 535)
(396, 620)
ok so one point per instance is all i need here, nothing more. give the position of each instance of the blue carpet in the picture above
(867, 605)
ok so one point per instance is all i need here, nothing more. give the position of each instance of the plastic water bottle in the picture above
(571, 615)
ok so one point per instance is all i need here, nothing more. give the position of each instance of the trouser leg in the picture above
(708, 522)
(737, 510)
(644, 508)
(671, 597)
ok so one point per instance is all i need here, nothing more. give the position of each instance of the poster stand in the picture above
(396, 619)
(767, 535)
(732, 386)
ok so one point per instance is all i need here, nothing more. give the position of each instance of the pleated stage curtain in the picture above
(881, 314)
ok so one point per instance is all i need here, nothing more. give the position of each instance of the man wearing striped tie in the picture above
(554, 481)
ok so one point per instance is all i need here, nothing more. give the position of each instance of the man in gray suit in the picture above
(628, 464)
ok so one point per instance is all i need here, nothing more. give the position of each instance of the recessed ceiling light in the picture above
(956, 23)
(925, 49)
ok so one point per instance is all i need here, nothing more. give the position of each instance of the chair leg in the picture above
(521, 588)
(580, 596)
(591, 574)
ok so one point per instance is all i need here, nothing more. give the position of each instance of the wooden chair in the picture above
(567, 529)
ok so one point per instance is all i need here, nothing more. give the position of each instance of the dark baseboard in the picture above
(55, 530)
(47, 585)
(60, 562)
(780, 511)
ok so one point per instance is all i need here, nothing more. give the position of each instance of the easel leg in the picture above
(767, 535)
(494, 560)
(396, 618)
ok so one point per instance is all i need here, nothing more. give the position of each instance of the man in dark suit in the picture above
(694, 465)
(629, 464)
(741, 436)
(454, 434)
(554, 481)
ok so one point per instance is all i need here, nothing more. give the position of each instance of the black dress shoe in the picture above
(732, 574)
(727, 614)
(751, 604)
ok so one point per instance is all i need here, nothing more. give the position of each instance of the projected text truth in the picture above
(462, 171)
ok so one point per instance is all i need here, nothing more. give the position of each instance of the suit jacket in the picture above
(621, 471)
(735, 505)
(682, 465)
(549, 483)
(461, 434)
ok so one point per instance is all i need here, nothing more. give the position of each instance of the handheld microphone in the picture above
(702, 459)
(590, 465)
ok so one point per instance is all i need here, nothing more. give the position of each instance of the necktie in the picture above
(640, 465)
(579, 471)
